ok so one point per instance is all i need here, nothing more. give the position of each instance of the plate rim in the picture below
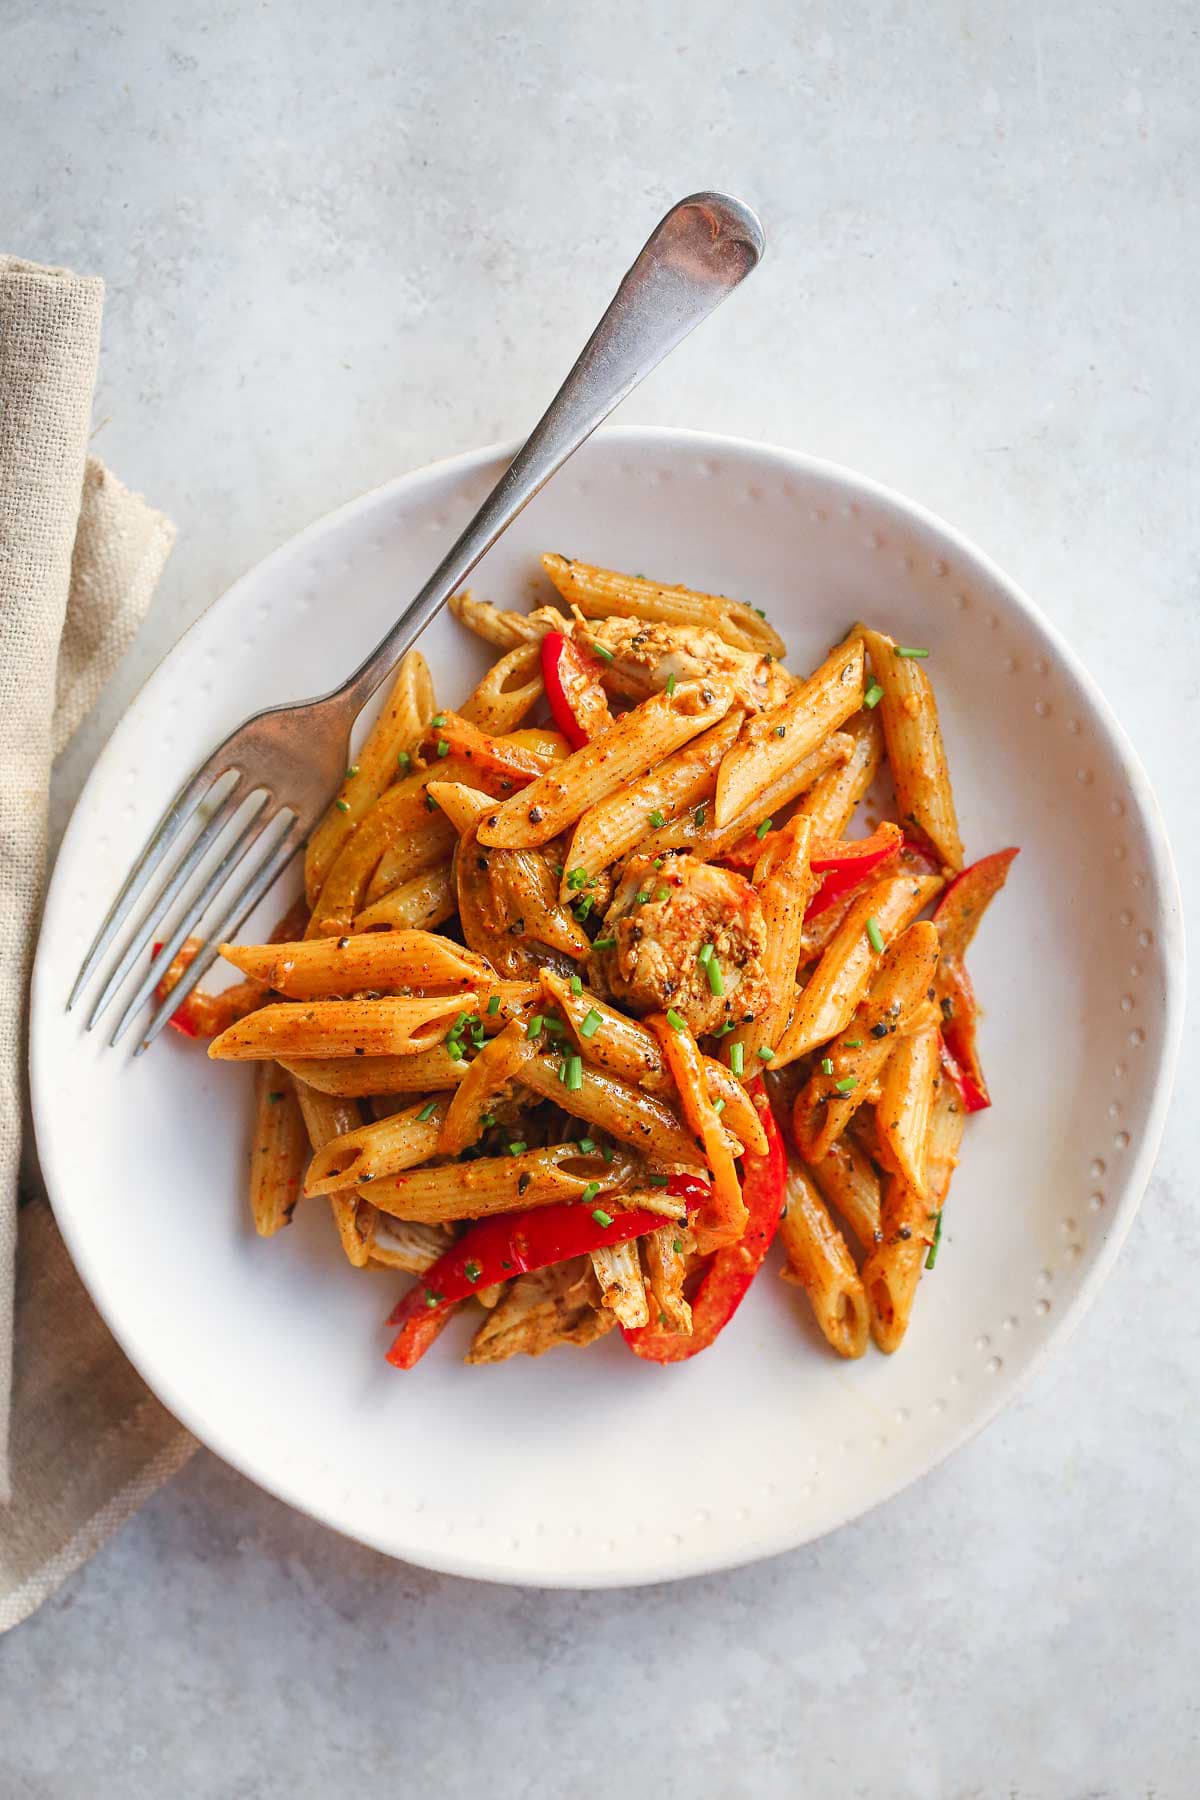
(682, 1564)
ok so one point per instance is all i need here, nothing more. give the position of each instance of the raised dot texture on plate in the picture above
(395, 1459)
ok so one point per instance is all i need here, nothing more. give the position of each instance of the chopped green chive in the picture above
(854, 1043)
(604, 943)
(659, 861)
(430, 803)
(700, 814)
(572, 1074)
(516, 1147)
(443, 748)
(718, 1106)
(586, 1146)
(703, 954)
(554, 1029)
(670, 684)
(486, 1121)
(760, 831)
(438, 720)
(352, 771)
(607, 1153)
(404, 760)
(590, 1191)
(427, 1111)
(766, 1055)
(472, 1270)
(722, 1030)
(274, 1099)
(873, 696)
(656, 819)
(675, 1021)
(661, 894)
(716, 981)
(761, 611)
(737, 1059)
(601, 652)
(659, 1180)
(342, 805)
(576, 984)
(909, 651)
(432, 1299)
(677, 1246)
(591, 1025)
(576, 878)
(494, 1005)
(781, 731)
(846, 1084)
(933, 1248)
(454, 1049)
(534, 1027)
(601, 1217)
(875, 935)
(643, 898)
(827, 1065)
(583, 908)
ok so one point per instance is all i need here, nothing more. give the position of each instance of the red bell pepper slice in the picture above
(730, 1271)
(510, 1244)
(957, 918)
(844, 866)
(574, 690)
(184, 1019)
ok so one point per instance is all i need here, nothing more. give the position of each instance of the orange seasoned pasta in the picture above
(580, 955)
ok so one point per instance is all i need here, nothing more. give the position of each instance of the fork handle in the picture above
(693, 258)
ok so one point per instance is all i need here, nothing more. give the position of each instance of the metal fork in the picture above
(289, 760)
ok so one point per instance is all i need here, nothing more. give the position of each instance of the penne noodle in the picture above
(622, 1289)
(633, 743)
(278, 1153)
(664, 1261)
(819, 1262)
(400, 1141)
(505, 630)
(772, 742)
(905, 1102)
(398, 1244)
(511, 688)
(373, 962)
(494, 1184)
(498, 1065)
(326, 1118)
(402, 819)
(848, 1182)
(909, 1225)
(916, 753)
(840, 979)
(784, 884)
(462, 805)
(360, 1076)
(626, 1049)
(599, 592)
(698, 833)
(623, 1112)
(831, 800)
(325, 1028)
(615, 825)
(404, 716)
(417, 905)
(904, 979)
(723, 1218)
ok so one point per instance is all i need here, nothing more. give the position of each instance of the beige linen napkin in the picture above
(79, 560)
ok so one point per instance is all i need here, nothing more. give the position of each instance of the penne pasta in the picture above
(511, 688)
(598, 592)
(400, 1141)
(848, 1182)
(361, 1076)
(722, 1219)
(916, 753)
(373, 962)
(505, 630)
(622, 1289)
(784, 884)
(772, 742)
(904, 1105)
(664, 1261)
(417, 905)
(495, 1184)
(633, 743)
(909, 1226)
(403, 717)
(461, 804)
(278, 1152)
(614, 825)
(831, 800)
(401, 820)
(326, 1118)
(492, 1072)
(819, 1262)
(841, 977)
(698, 833)
(641, 1120)
(325, 1028)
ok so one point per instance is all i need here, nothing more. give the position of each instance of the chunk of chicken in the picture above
(661, 919)
(645, 656)
(558, 1305)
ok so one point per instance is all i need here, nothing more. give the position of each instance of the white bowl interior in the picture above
(590, 1469)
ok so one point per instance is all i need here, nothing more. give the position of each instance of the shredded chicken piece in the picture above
(645, 656)
(661, 919)
(558, 1305)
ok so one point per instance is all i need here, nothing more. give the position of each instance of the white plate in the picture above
(591, 1469)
